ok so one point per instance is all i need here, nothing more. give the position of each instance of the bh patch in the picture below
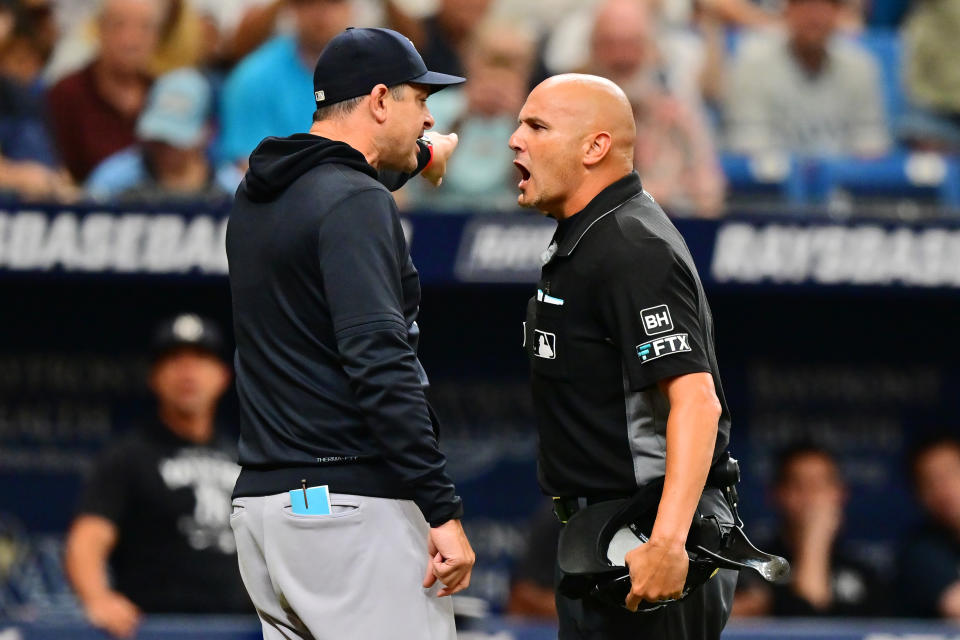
(656, 320)
(665, 346)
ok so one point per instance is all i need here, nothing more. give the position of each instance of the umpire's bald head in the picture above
(575, 137)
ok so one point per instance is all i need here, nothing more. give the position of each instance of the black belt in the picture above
(565, 506)
(724, 474)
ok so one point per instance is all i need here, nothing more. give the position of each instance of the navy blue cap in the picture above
(357, 60)
(187, 330)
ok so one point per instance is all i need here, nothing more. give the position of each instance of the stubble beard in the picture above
(523, 202)
(404, 162)
(530, 203)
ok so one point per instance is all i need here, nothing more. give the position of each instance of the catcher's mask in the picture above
(596, 538)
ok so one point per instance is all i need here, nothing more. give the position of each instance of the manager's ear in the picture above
(597, 147)
(378, 103)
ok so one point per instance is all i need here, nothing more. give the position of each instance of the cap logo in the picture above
(319, 96)
(188, 328)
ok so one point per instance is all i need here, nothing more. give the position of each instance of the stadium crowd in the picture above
(165, 99)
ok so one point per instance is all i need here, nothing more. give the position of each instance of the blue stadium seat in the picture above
(906, 175)
(767, 174)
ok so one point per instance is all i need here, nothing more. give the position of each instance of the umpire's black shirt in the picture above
(619, 307)
(325, 301)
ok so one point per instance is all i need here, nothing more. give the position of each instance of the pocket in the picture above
(340, 509)
(238, 508)
(546, 340)
(713, 504)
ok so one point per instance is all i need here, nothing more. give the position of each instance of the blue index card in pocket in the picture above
(312, 501)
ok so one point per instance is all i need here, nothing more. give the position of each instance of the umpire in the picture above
(325, 301)
(620, 340)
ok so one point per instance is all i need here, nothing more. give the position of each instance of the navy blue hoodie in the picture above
(325, 300)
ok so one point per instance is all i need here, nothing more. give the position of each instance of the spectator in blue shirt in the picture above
(22, 132)
(170, 159)
(270, 93)
(29, 167)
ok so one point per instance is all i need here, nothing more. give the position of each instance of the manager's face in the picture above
(547, 150)
(409, 117)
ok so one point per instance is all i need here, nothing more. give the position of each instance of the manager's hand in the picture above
(443, 146)
(451, 558)
(657, 572)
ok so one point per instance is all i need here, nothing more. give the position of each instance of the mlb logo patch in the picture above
(656, 320)
(545, 345)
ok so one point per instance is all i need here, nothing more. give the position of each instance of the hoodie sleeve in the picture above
(361, 252)
(393, 180)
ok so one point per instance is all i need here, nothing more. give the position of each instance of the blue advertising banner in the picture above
(495, 249)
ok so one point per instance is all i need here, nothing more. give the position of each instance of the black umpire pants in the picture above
(701, 616)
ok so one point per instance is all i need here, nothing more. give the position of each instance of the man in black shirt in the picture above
(620, 340)
(929, 560)
(325, 301)
(157, 504)
(827, 578)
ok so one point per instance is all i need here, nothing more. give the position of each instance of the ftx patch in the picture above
(664, 346)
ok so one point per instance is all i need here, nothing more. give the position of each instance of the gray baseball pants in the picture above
(353, 575)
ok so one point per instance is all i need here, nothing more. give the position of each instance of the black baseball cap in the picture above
(187, 330)
(357, 60)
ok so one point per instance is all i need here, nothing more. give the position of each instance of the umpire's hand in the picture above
(657, 572)
(451, 558)
(443, 146)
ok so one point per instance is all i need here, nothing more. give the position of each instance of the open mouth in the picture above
(524, 174)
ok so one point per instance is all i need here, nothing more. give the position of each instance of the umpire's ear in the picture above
(596, 147)
(377, 104)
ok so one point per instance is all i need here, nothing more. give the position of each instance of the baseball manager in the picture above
(325, 301)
